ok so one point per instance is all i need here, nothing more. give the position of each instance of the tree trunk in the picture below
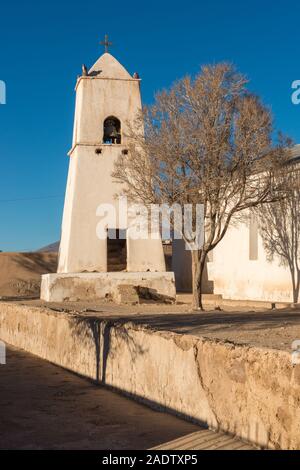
(296, 287)
(198, 264)
(295, 275)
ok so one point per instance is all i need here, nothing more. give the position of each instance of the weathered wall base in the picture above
(92, 286)
(251, 392)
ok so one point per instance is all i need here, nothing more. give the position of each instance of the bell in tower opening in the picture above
(112, 131)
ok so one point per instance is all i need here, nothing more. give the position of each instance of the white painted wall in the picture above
(231, 273)
(109, 90)
(235, 276)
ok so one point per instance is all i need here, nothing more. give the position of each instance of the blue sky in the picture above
(43, 45)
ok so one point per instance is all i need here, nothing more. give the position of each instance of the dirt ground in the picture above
(20, 273)
(267, 328)
(45, 407)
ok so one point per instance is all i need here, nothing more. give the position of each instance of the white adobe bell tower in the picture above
(107, 99)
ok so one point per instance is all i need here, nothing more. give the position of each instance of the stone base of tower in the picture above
(75, 287)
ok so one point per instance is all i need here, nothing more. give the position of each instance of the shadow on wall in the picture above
(106, 333)
(100, 331)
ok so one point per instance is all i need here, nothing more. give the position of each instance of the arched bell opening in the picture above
(112, 130)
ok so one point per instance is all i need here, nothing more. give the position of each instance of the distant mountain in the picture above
(54, 247)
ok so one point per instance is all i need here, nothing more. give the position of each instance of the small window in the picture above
(112, 131)
(253, 238)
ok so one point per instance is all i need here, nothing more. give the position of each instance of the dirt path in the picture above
(45, 407)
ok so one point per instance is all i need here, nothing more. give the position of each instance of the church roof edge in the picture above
(107, 66)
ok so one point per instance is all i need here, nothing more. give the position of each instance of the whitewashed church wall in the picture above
(236, 276)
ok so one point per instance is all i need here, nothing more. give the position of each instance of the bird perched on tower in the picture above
(84, 70)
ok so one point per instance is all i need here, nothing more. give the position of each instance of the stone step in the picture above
(217, 300)
(207, 298)
(115, 248)
(126, 294)
(113, 262)
(206, 439)
(116, 267)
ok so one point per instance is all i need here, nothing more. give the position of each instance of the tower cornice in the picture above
(131, 79)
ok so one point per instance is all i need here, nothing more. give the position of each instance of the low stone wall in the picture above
(251, 392)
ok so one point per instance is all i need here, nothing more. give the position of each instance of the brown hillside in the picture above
(20, 273)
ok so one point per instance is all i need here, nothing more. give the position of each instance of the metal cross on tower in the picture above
(106, 43)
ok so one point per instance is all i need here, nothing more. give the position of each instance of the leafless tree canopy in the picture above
(205, 141)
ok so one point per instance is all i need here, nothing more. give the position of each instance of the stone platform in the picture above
(94, 286)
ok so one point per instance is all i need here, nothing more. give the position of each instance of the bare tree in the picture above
(202, 143)
(279, 224)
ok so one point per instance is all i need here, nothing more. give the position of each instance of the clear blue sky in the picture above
(44, 43)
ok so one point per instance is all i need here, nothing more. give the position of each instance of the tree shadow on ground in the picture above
(215, 321)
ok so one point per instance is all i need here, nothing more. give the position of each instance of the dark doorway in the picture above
(116, 250)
